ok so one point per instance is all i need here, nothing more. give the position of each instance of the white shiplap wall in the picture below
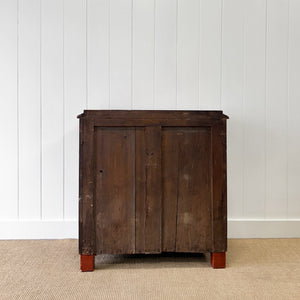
(58, 57)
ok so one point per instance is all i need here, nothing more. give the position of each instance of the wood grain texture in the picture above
(187, 192)
(156, 188)
(87, 239)
(140, 190)
(219, 188)
(153, 189)
(115, 189)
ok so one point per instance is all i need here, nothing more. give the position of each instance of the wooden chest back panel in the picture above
(186, 168)
(152, 181)
(115, 189)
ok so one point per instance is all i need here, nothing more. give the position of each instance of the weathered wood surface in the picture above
(187, 185)
(152, 181)
(115, 189)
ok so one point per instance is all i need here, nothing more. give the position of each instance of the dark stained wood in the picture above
(140, 190)
(219, 179)
(115, 190)
(153, 181)
(154, 114)
(87, 263)
(170, 172)
(153, 122)
(153, 190)
(218, 260)
(86, 201)
(191, 191)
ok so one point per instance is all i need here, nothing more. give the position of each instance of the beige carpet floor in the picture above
(49, 269)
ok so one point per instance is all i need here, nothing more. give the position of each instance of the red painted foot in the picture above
(87, 263)
(218, 260)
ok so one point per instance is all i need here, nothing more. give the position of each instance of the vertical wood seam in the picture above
(178, 168)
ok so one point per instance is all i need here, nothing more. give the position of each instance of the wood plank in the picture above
(153, 114)
(143, 54)
(210, 53)
(115, 190)
(219, 179)
(188, 54)
(87, 202)
(254, 116)
(9, 105)
(293, 205)
(170, 175)
(140, 189)
(29, 110)
(232, 99)
(52, 109)
(276, 108)
(165, 54)
(120, 54)
(97, 54)
(74, 97)
(193, 228)
(153, 190)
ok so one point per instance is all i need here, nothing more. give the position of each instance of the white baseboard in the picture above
(261, 228)
(68, 229)
(56, 229)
